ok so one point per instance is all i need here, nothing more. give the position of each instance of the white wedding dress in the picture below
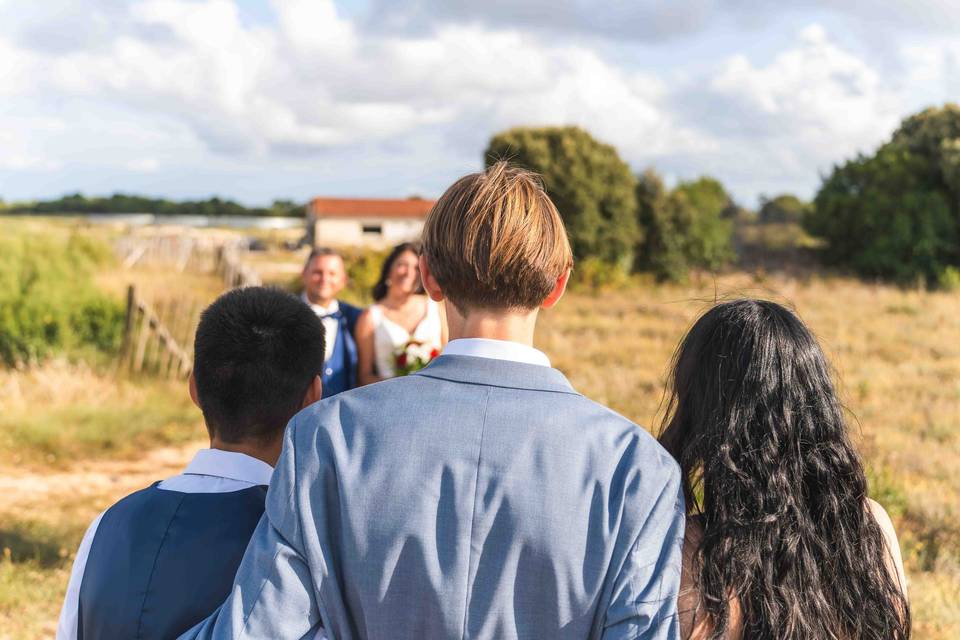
(389, 337)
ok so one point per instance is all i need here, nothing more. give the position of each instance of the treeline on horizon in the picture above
(893, 215)
(126, 203)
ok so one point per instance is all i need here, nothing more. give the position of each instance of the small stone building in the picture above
(368, 222)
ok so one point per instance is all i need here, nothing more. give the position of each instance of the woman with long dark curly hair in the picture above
(782, 541)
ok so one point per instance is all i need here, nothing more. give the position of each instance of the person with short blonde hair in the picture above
(482, 496)
(496, 241)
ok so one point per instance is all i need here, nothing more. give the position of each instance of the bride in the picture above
(401, 314)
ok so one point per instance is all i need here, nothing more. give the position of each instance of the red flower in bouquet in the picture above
(413, 356)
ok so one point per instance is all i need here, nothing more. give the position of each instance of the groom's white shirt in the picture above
(210, 471)
(497, 350)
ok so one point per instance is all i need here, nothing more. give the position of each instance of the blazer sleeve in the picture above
(273, 594)
(643, 604)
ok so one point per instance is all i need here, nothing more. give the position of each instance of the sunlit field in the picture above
(76, 436)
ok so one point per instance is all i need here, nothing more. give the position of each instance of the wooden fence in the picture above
(186, 251)
(230, 267)
(159, 338)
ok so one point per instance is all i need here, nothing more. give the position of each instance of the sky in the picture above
(256, 100)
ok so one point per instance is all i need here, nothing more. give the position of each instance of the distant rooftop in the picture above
(369, 208)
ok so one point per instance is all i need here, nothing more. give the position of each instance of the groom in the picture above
(482, 497)
(324, 277)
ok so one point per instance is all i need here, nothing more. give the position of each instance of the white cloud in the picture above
(143, 165)
(168, 84)
(780, 122)
(315, 82)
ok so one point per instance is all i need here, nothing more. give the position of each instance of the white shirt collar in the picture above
(229, 464)
(321, 310)
(497, 350)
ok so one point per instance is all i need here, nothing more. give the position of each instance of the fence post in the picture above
(143, 338)
(128, 326)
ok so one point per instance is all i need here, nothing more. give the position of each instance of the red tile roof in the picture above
(369, 208)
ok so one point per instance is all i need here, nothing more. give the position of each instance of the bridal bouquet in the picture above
(413, 356)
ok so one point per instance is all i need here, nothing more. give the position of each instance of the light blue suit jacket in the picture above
(478, 498)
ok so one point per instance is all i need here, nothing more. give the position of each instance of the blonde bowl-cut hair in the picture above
(495, 240)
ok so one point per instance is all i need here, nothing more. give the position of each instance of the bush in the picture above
(48, 302)
(595, 274)
(896, 214)
(689, 227)
(883, 217)
(949, 279)
(783, 208)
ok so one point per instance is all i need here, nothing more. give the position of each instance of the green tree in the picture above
(591, 186)
(689, 227)
(881, 217)
(708, 227)
(896, 214)
(785, 207)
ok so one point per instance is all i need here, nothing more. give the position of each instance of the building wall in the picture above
(372, 232)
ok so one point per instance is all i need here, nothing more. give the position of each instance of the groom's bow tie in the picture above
(336, 315)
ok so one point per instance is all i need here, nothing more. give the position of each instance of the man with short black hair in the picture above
(161, 559)
(324, 277)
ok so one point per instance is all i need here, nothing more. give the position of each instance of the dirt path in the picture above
(20, 488)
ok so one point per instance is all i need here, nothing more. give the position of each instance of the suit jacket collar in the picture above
(497, 373)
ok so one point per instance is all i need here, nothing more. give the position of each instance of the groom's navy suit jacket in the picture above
(477, 498)
(340, 371)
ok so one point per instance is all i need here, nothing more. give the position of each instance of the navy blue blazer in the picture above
(340, 371)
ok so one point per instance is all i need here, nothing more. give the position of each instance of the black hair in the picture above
(380, 288)
(257, 350)
(756, 426)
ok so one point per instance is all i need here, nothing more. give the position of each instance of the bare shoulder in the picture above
(366, 318)
(881, 516)
(883, 520)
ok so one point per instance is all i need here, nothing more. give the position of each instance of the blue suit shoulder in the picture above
(648, 446)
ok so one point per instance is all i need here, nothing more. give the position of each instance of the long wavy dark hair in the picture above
(380, 288)
(755, 423)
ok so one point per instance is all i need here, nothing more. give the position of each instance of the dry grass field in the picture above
(75, 438)
(897, 360)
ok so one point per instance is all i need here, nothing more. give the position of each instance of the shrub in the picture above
(883, 217)
(48, 302)
(595, 274)
(689, 227)
(896, 214)
(783, 208)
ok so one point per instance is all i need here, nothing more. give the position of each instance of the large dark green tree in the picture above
(896, 214)
(591, 186)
